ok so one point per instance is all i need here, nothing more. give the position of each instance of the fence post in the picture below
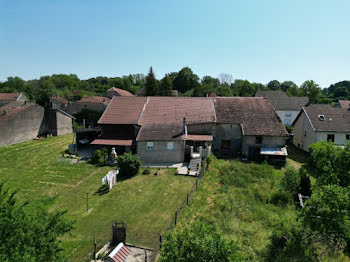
(175, 217)
(160, 242)
(187, 198)
(95, 248)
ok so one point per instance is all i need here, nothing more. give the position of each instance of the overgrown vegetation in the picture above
(256, 207)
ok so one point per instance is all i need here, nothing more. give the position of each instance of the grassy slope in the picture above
(235, 197)
(146, 202)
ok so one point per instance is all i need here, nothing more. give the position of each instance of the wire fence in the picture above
(154, 241)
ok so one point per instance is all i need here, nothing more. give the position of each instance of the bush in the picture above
(147, 171)
(198, 243)
(129, 164)
(99, 157)
(291, 182)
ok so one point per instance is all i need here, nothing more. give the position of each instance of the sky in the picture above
(257, 40)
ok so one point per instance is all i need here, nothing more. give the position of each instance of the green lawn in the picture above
(145, 202)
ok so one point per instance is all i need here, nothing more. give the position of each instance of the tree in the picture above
(290, 88)
(327, 215)
(305, 183)
(129, 164)
(208, 80)
(291, 182)
(311, 89)
(226, 79)
(166, 86)
(30, 233)
(243, 88)
(274, 85)
(199, 242)
(151, 84)
(185, 80)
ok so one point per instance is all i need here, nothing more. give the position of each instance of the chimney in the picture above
(84, 123)
(185, 127)
(5, 112)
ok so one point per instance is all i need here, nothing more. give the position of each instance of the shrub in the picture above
(200, 242)
(147, 171)
(305, 183)
(99, 157)
(129, 164)
(291, 182)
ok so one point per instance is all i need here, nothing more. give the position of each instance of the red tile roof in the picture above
(255, 114)
(123, 110)
(121, 92)
(94, 99)
(60, 99)
(120, 253)
(344, 103)
(111, 142)
(10, 110)
(199, 138)
(9, 96)
(172, 110)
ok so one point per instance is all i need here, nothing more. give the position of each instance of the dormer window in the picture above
(321, 117)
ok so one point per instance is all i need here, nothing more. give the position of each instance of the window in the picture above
(170, 145)
(305, 133)
(330, 138)
(258, 140)
(347, 137)
(150, 145)
(288, 114)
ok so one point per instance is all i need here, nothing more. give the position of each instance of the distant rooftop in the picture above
(280, 101)
(121, 92)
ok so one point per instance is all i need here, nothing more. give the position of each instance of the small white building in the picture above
(321, 122)
(286, 107)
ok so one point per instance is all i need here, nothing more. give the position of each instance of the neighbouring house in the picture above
(6, 98)
(24, 121)
(286, 107)
(321, 122)
(113, 91)
(343, 104)
(58, 102)
(247, 126)
(173, 129)
(92, 103)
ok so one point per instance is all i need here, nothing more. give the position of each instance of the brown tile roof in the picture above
(60, 99)
(123, 110)
(344, 103)
(94, 99)
(199, 138)
(172, 110)
(255, 114)
(9, 96)
(112, 142)
(121, 92)
(12, 109)
(160, 132)
(335, 119)
(281, 101)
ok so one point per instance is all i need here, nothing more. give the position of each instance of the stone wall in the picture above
(304, 135)
(227, 132)
(160, 153)
(25, 125)
(251, 149)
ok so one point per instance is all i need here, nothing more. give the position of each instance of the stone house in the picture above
(171, 129)
(58, 102)
(6, 98)
(321, 122)
(286, 107)
(92, 103)
(113, 91)
(24, 121)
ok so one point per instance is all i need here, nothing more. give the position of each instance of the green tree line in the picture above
(185, 81)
